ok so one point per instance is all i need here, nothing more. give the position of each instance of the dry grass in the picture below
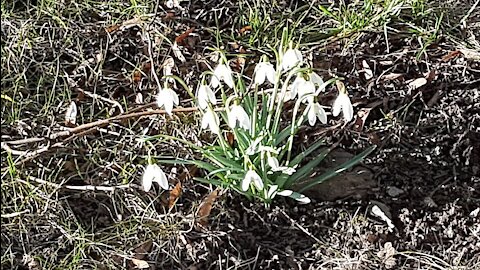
(74, 202)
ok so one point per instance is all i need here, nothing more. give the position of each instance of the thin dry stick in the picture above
(81, 188)
(116, 118)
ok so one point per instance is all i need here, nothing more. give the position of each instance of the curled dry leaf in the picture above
(206, 207)
(386, 254)
(377, 211)
(71, 115)
(392, 76)
(140, 264)
(174, 195)
(451, 55)
(417, 83)
(181, 38)
(178, 53)
(143, 249)
(368, 73)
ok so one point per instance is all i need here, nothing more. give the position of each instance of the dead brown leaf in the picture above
(174, 195)
(451, 55)
(245, 29)
(206, 207)
(143, 249)
(180, 39)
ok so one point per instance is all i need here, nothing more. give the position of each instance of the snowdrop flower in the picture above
(238, 114)
(343, 103)
(317, 81)
(274, 164)
(253, 147)
(166, 97)
(302, 87)
(314, 111)
(210, 120)
(153, 173)
(264, 70)
(291, 58)
(272, 191)
(252, 176)
(205, 95)
(222, 73)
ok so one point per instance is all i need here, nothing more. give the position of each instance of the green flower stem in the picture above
(294, 128)
(278, 112)
(254, 113)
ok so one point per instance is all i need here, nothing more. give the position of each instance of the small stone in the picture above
(474, 213)
(393, 191)
(429, 202)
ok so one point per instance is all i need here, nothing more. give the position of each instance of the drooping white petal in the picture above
(211, 120)
(285, 193)
(291, 58)
(314, 111)
(264, 70)
(222, 73)
(316, 79)
(166, 97)
(343, 103)
(252, 176)
(238, 114)
(273, 163)
(297, 83)
(205, 95)
(153, 173)
(305, 88)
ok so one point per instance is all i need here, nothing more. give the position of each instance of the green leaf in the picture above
(282, 135)
(224, 161)
(307, 152)
(345, 166)
(306, 169)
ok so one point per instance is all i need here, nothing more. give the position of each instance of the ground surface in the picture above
(413, 76)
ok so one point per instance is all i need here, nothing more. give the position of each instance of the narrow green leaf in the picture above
(345, 166)
(306, 169)
(307, 152)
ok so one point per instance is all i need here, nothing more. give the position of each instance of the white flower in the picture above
(166, 97)
(302, 87)
(275, 165)
(252, 176)
(291, 58)
(210, 119)
(153, 173)
(295, 195)
(238, 114)
(205, 95)
(318, 81)
(314, 111)
(343, 103)
(222, 73)
(253, 147)
(272, 191)
(264, 70)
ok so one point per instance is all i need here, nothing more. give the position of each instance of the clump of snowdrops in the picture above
(260, 162)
